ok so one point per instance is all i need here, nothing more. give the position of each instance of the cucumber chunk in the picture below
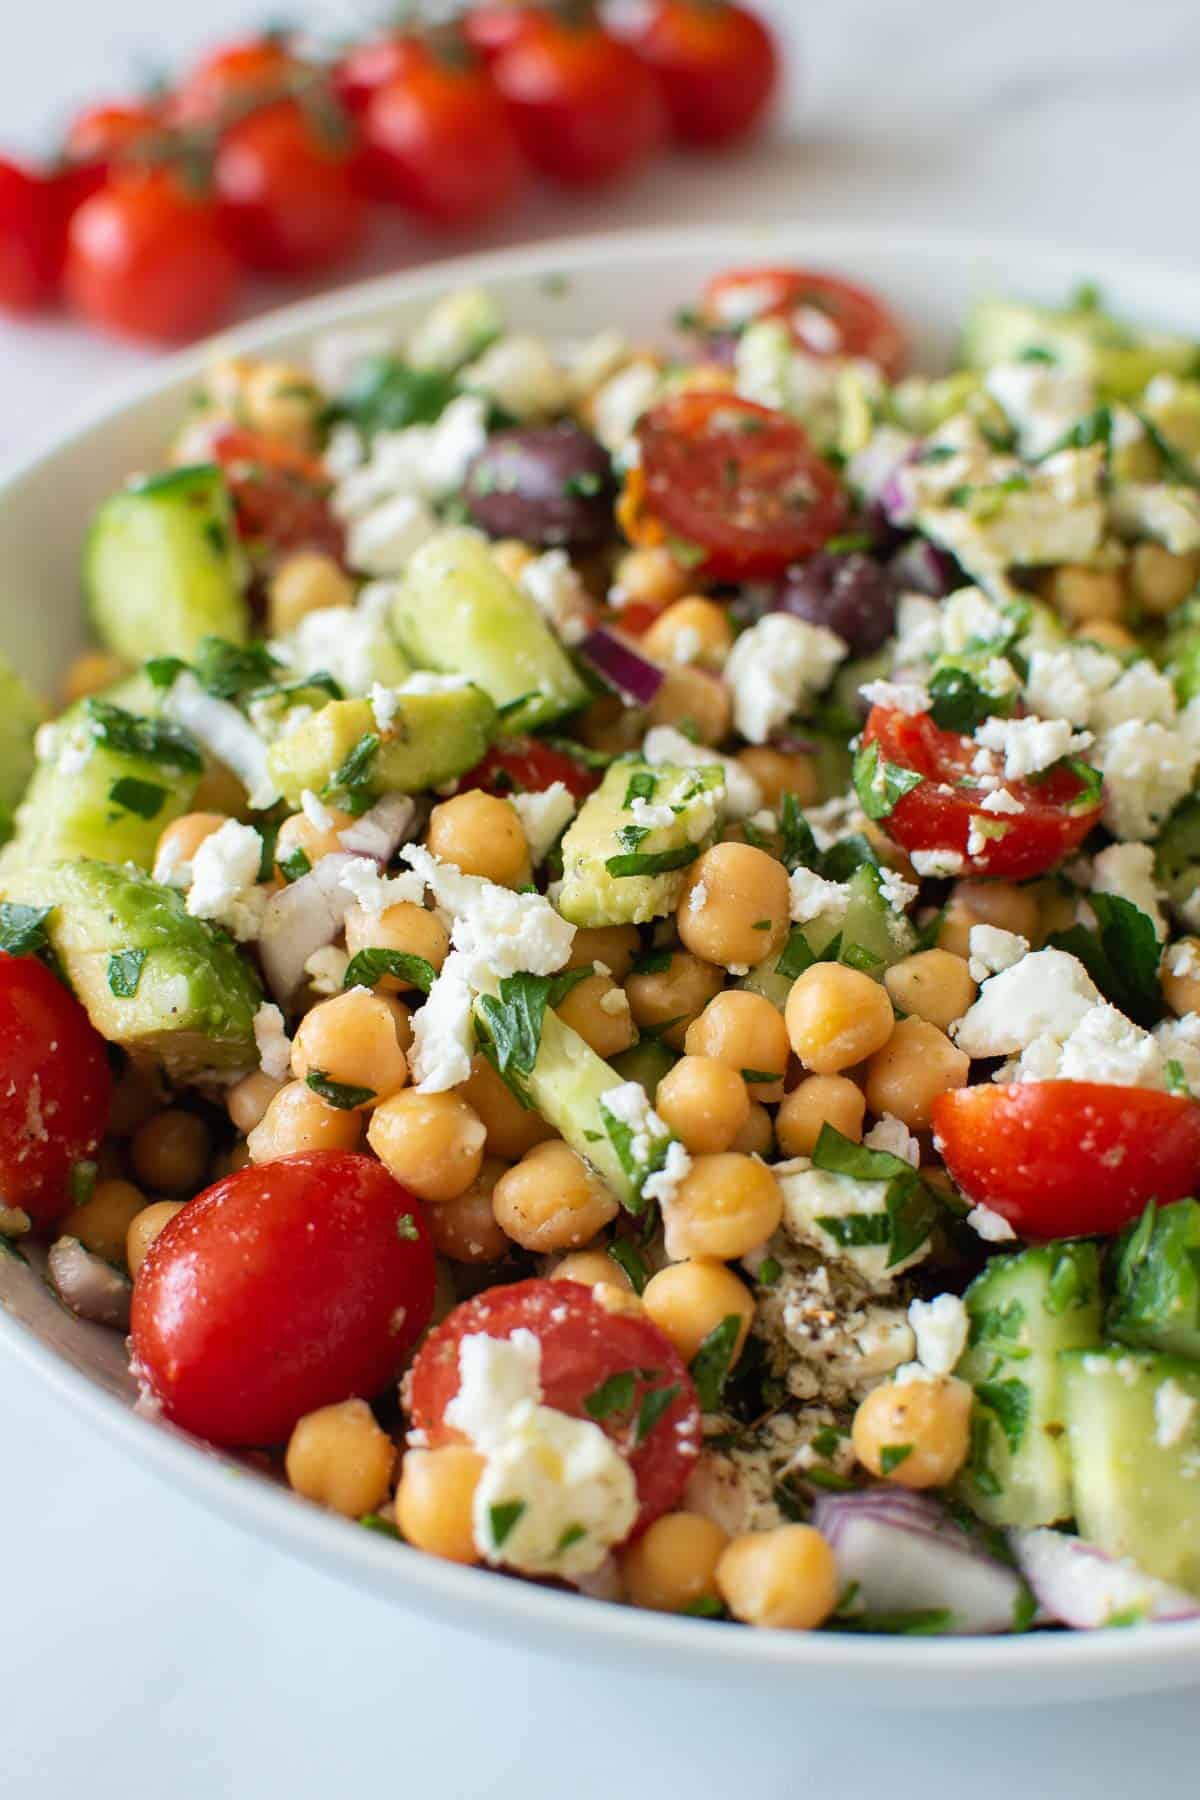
(869, 935)
(1023, 1311)
(626, 856)
(21, 712)
(1156, 1302)
(1120, 360)
(646, 1063)
(162, 569)
(342, 754)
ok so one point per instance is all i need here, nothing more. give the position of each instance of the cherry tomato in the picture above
(586, 109)
(717, 66)
(1068, 1158)
(232, 74)
(146, 259)
(280, 496)
(826, 315)
(737, 480)
(525, 766)
(55, 1089)
(287, 194)
(1057, 810)
(582, 1347)
(283, 1288)
(100, 138)
(31, 238)
(492, 29)
(439, 142)
(366, 68)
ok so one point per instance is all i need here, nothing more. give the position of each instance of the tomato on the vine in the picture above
(438, 141)
(492, 29)
(825, 315)
(717, 64)
(286, 189)
(31, 238)
(98, 139)
(280, 495)
(146, 258)
(586, 108)
(1068, 1158)
(55, 1089)
(527, 766)
(233, 74)
(365, 68)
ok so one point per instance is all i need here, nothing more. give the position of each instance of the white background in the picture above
(148, 1649)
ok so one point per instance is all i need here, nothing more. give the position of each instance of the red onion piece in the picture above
(1082, 1586)
(302, 918)
(380, 831)
(620, 666)
(92, 1288)
(921, 568)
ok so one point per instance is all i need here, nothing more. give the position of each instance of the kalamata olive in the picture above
(850, 594)
(547, 484)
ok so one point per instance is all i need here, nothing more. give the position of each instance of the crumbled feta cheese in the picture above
(1041, 400)
(499, 932)
(343, 641)
(1183, 960)
(629, 1104)
(1174, 1413)
(1046, 993)
(940, 1326)
(814, 1200)
(918, 630)
(663, 744)
(698, 898)
(904, 696)
(1103, 1046)
(494, 1376)
(375, 892)
(432, 681)
(424, 461)
(969, 619)
(776, 668)
(1064, 683)
(620, 402)
(326, 970)
(1127, 870)
(938, 862)
(650, 816)
(274, 1045)
(385, 704)
(1029, 745)
(892, 1134)
(992, 950)
(990, 1226)
(1157, 509)
(315, 811)
(812, 895)
(1147, 770)
(544, 816)
(444, 1031)
(383, 540)
(898, 893)
(1001, 801)
(615, 1002)
(663, 1184)
(871, 469)
(520, 375)
(225, 880)
(1141, 692)
(554, 586)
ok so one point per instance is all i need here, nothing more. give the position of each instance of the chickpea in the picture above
(307, 581)
(598, 1010)
(916, 1433)
(905, 1077)
(247, 1100)
(219, 790)
(104, 1218)
(816, 1101)
(673, 1565)
(836, 1016)
(551, 1200)
(987, 903)
(934, 985)
(481, 835)
(170, 1152)
(180, 840)
(432, 1143)
(435, 1498)
(466, 1230)
(297, 1120)
(652, 577)
(513, 557)
(693, 630)
(1162, 579)
(694, 697)
(745, 1032)
(137, 1096)
(299, 832)
(1085, 595)
(1180, 976)
(734, 908)
(1107, 633)
(780, 772)
(613, 945)
(351, 1040)
(757, 1136)
(785, 1579)
(341, 1458)
(402, 1019)
(233, 1160)
(511, 1128)
(408, 928)
(611, 726)
(670, 999)
(704, 1102)
(144, 1227)
(724, 1207)
(591, 1268)
(281, 402)
(90, 673)
(688, 1300)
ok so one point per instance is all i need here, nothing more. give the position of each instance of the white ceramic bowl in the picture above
(635, 282)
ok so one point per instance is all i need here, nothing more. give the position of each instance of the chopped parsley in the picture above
(614, 1395)
(23, 929)
(502, 1518)
(514, 1020)
(881, 785)
(125, 972)
(625, 1253)
(294, 866)
(659, 862)
(655, 1403)
(145, 798)
(349, 786)
(714, 1359)
(892, 1455)
(341, 1094)
(1010, 1401)
(368, 967)
(154, 740)
(1121, 956)
(406, 1228)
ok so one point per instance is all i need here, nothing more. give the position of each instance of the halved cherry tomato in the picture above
(738, 481)
(826, 315)
(1068, 1158)
(525, 766)
(55, 1089)
(939, 813)
(235, 73)
(287, 192)
(31, 238)
(717, 66)
(582, 1346)
(438, 140)
(283, 1288)
(280, 496)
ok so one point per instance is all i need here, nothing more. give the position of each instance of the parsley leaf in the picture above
(1010, 1401)
(658, 862)
(145, 798)
(373, 1521)
(642, 784)
(615, 1395)
(406, 1228)
(124, 972)
(959, 703)
(349, 785)
(795, 956)
(384, 394)
(22, 929)
(338, 1093)
(627, 1256)
(155, 740)
(713, 1361)
(368, 967)
(909, 1209)
(881, 785)
(226, 670)
(892, 1455)
(1121, 956)
(515, 1019)
(294, 866)
(502, 1519)
(654, 1404)
(798, 846)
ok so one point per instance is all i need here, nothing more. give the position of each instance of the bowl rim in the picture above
(478, 1598)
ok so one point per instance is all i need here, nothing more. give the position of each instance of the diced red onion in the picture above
(1082, 1586)
(300, 919)
(795, 746)
(893, 500)
(921, 568)
(907, 1554)
(620, 666)
(92, 1288)
(380, 832)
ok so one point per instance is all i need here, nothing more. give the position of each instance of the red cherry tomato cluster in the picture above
(261, 158)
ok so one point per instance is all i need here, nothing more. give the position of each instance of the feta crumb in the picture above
(444, 1031)
(499, 931)
(940, 1326)
(812, 894)
(1104, 1046)
(383, 540)
(433, 681)
(1001, 801)
(776, 668)
(891, 1134)
(743, 796)
(616, 1001)
(326, 970)
(903, 696)
(317, 814)
(544, 816)
(1030, 745)
(698, 898)
(1174, 1412)
(1147, 769)
(385, 704)
(938, 862)
(274, 1046)
(1141, 692)
(375, 892)
(1127, 870)
(559, 595)
(225, 881)
(992, 950)
(898, 893)
(629, 1104)
(663, 1184)
(918, 630)
(495, 1374)
(1046, 993)
(990, 1226)
(1183, 960)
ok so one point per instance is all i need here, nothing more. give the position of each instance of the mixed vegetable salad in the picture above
(602, 966)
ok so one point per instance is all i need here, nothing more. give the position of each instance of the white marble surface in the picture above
(148, 1649)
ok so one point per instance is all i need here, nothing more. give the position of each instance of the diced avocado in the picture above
(868, 934)
(162, 568)
(106, 784)
(153, 979)
(1133, 1428)
(1156, 1299)
(646, 1064)
(1119, 359)
(342, 754)
(618, 867)
(457, 611)
(21, 712)
(458, 328)
(1177, 853)
(922, 405)
(1023, 1310)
